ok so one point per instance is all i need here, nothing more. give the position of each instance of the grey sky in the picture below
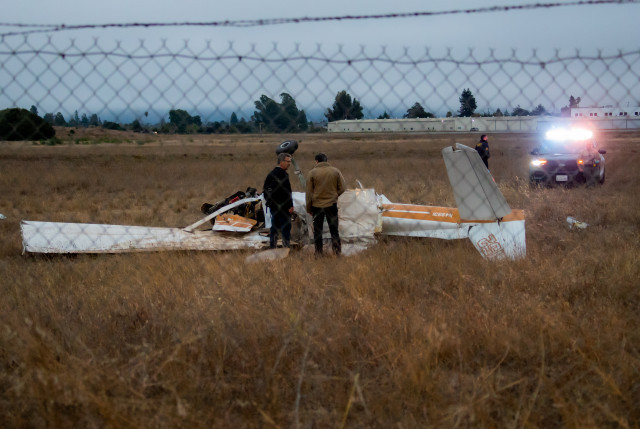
(585, 27)
(117, 84)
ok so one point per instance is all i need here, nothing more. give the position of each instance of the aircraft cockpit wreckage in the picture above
(240, 222)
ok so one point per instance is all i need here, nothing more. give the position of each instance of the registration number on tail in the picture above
(562, 178)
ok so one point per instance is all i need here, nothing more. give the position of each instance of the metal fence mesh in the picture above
(122, 82)
(205, 87)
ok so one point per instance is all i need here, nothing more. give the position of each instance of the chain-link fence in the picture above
(204, 87)
(284, 88)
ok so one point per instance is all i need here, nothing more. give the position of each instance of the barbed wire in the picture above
(46, 28)
(348, 61)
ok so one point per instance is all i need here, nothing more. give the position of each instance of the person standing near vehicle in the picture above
(324, 185)
(277, 193)
(483, 150)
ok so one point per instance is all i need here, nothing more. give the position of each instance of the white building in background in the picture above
(605, 112)
(509, 123)
(591, 117)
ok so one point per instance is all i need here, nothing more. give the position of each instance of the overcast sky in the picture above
(512, 33)
(567, 27)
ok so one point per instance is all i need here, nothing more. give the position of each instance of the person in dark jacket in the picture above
(277, 193)
(483, 150)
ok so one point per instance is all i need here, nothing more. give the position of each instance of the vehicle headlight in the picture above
(538, 162)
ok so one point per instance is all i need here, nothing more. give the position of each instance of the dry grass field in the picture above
(410, 333)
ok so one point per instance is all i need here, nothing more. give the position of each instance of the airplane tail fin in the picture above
(499, 232)
(503, 239)
(475, 191)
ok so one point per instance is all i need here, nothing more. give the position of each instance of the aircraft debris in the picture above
(575, 223)
(239, 221)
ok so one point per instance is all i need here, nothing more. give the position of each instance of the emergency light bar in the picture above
(563, 134)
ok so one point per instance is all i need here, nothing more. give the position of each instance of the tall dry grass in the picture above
(410, 333)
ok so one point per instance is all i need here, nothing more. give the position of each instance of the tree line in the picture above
(282, 117)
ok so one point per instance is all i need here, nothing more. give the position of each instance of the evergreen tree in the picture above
(539, 111)
(182, 122)
(287, 120)
(59, 120)
(267, 113)
(279, 117)
(417, 111)
(344, 108)
(21, 124)
(467, 103)
(136, 127)
(302, 122)
(94, 120)
(574, 102)
(75, 120)
(519, 111)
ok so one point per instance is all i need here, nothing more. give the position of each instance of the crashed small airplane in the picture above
(239, 222)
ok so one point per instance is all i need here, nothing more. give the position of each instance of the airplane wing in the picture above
(476, 193)
(61, 237)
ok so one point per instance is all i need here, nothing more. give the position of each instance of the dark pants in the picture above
(331, 214)
(280, 222)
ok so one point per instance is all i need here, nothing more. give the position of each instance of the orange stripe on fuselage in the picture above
(427, 213)
(438, 214)
(516, 214)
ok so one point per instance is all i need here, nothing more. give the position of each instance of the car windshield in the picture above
(549, 146)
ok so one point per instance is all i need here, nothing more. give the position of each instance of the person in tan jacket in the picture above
(324, 185)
